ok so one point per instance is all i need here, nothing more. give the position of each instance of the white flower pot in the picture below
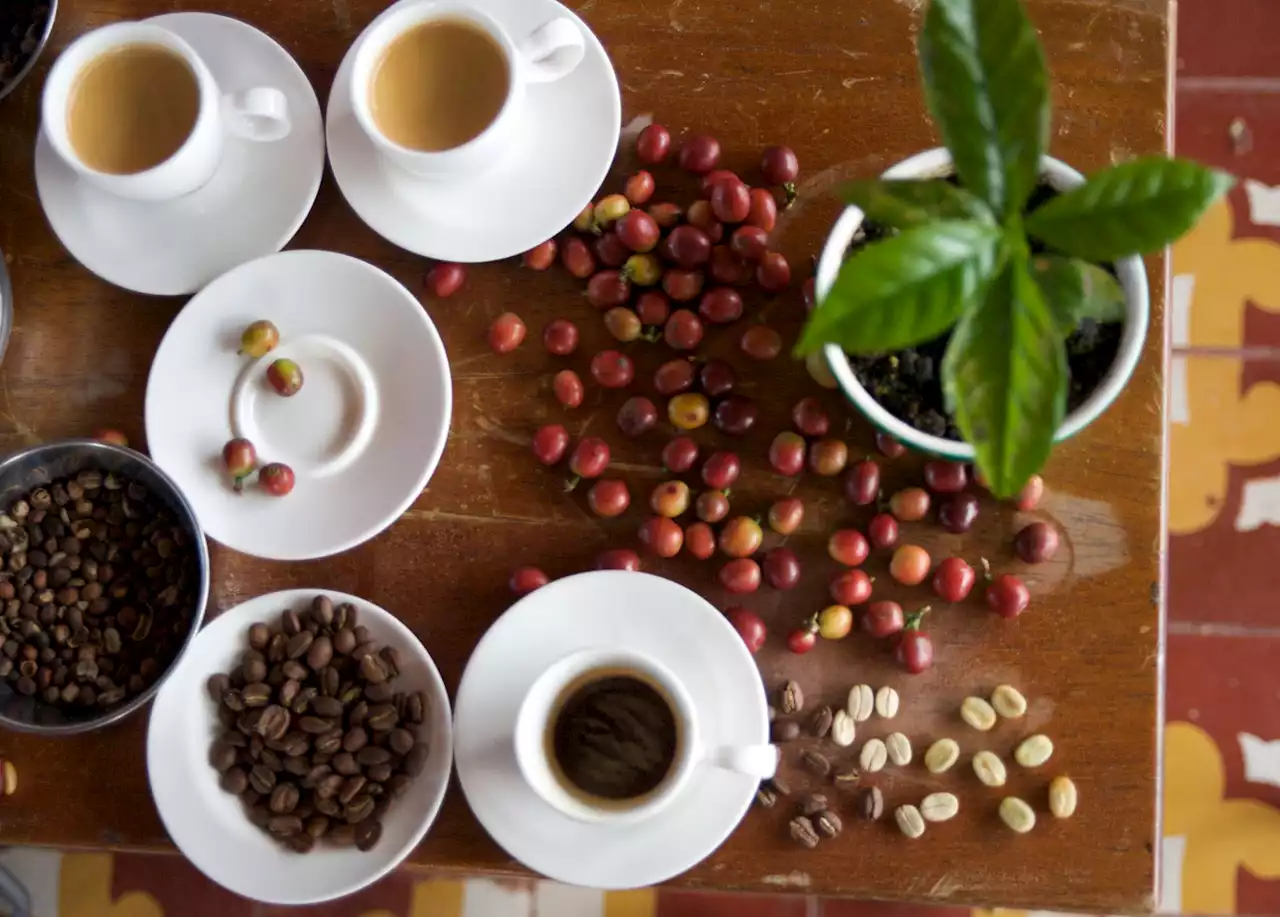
(936, 163)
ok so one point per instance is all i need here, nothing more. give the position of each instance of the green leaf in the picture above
(1133, 208)
(1076, 290)
(987, 87)
(903, 290)
(1005, 379)
(903, 204)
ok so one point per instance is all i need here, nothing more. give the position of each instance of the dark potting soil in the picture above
(908, 383)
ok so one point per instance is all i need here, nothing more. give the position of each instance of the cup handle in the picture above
(260, 114)
(553, 50)
(759, 761)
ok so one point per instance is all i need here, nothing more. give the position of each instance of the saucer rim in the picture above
(53, 170)
(430, 462)
(339, 89)
(440, 761)
(733, 646)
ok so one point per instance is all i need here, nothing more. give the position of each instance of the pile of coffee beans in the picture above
(21, 24)
(98, 581)
(315, 737)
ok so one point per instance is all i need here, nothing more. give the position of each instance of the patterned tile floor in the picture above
(1222, 795)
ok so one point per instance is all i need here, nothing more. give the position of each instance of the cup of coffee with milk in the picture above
(439, 87)
(133, 109)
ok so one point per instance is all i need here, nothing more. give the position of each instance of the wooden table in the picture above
(837, 82)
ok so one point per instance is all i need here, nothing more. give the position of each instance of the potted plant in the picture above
(982, 286)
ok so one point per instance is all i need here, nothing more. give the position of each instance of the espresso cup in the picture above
(545, 701)
(548, 53)
(256, 113)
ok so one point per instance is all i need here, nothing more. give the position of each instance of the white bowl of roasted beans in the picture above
(301, 750)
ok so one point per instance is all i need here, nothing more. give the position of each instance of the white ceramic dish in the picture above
(571, 132)
(364, 433)
(209, 825)
(254, 204)
(645, 614)
(1132, 273)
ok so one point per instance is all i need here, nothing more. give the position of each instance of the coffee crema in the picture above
(612, 737)
(132, 108)
(438, 85)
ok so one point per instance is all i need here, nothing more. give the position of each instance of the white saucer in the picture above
(209, 825)
(646, 614)
(572, 128)
(252, 206)
(363, 434)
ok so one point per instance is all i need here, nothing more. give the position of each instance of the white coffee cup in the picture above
(547, 694)
(257, 113)
(548, 53)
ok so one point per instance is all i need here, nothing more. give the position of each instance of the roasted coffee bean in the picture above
(766, 796)
(254, 670)
(344, 641)
(284, 825)
(401, 741)
(222, 756)
(820, 725)
(358, 809)
(259, 636)
(368, 833)
(381, 718)
(262, 778)
(320, 653)
(356, 716)
(372, 668)
(316, 774)
(257, 694)
(350, 788)
(803, 832)
(327, 707)
(273, 723)
(342, 836)
(371, 754)
(218, 685)
(329, 743)
(397, 785)
(235, 739)
(827, 823)
(379, 773)
(330, 682)
(871, 803)
(327, 787)
(345, 763)
(355, 739)
(290, 623)
(284, 799)
(302, 703)
(790, 699)
(272, 760)
(288, 692)
(816, 763)
(317, 826)
(234, 781)
(300, 843)
(380, 693)
(291, 668)
(276, 648)
(298, 644)
(322, 610)
(391, 659)
(297, 765)
(416, 708)
(315, 725)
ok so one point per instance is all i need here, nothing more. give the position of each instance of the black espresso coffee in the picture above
(612, 737)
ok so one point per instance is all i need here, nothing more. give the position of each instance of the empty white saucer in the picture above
(646, 614)
(253, 205)
(571, 135)
(362, 435)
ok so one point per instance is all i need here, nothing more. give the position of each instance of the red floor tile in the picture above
(391, 897)
(1222, 771)
(176, 885)
(672, 903)
(883, 909)
(1228, 38)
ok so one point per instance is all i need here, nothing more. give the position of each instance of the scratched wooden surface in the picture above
(837, 82)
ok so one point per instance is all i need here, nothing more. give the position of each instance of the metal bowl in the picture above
(43, 464)
(8, 86)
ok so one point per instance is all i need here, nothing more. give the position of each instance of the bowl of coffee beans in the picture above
(24, 30)
(302, 749)
(104, 578)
